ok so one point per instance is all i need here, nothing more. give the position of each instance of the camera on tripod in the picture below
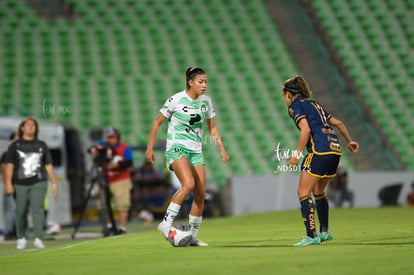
(103, 154)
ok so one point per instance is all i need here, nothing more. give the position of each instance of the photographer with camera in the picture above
(115, 156)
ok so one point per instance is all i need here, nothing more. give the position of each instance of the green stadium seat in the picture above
(376, 35)
(139, 49)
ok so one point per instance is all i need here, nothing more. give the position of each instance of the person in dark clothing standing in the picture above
(28, 166)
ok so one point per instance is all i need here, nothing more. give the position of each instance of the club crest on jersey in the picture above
(203, 108)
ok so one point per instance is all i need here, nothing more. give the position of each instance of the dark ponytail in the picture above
(297, 86)
(191, 73)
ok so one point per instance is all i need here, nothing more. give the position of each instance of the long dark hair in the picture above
(191, 73)
(20, 131)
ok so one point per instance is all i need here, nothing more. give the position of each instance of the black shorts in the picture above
(321, 166)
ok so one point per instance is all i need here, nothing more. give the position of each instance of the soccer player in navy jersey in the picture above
(321, 162)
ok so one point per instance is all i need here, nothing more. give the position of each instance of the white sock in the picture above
(172, 212)
(195, 223)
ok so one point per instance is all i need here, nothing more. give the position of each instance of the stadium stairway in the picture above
(315, 63)
(372, 42)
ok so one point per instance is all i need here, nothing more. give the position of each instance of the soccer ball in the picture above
(180, 235)
(146, 216)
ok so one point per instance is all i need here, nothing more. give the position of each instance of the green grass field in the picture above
(366, 241)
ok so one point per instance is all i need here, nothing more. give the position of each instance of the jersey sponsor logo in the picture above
(333, 139)
(291, 112)
(312, 224)
(312, 221)
(328, 131)
(194, 119)
(335, 146)
(202, 109)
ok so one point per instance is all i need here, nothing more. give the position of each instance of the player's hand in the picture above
(112, 166)
(225, 156)
(353, 146)
(54, 190)
(293, 161)
(149, 156)
(8, 189)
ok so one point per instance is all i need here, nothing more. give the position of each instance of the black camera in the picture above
(104, 154)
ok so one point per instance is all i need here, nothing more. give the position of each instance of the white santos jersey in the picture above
(185, 120)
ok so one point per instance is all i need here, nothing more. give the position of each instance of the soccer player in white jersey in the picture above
(186, 112)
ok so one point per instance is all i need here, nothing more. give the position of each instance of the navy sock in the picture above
(322, 207)
(308, 214)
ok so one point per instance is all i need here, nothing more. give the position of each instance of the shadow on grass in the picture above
(327, 244)
(259, 244)
(270, 243)
(376, 243)
(253, 245)
(392, 241)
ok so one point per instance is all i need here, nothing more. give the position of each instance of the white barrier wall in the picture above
(278, 192)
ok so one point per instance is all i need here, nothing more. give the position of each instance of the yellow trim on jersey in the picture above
(307, 163)
(323, 153)
(308, 160)
(319, 176)
(299, 118)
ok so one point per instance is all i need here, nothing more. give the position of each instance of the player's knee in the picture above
(303, 193)
(187, 186)
(123, 205)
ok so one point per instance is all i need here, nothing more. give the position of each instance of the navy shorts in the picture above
(321, 166)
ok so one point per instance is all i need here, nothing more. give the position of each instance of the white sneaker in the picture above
(164, 228)
(197, 242)
(38, 243)
(21, 243)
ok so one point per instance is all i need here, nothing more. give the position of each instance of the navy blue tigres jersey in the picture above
(323, 139)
